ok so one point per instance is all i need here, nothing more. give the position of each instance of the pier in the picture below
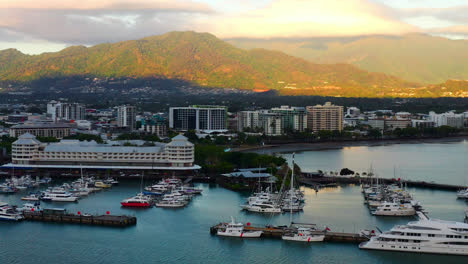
(278, 232)
(99, 220)
(317, 182)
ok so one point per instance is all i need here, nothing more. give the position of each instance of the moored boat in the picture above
(137, 201)
(234, 229)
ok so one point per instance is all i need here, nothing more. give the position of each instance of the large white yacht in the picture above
(395, 209)
(424, 236)
(262, 207)
(59, 195)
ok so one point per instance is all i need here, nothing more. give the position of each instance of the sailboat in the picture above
(301, 233)
(140, 200)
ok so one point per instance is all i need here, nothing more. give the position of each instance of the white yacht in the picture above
(262, 207)
(394, 209)
(234, 229)
(463, 194)
(31, 197)
(9, 214)
(424, 236)
(59, 195)
(303, 234)
(29, 207)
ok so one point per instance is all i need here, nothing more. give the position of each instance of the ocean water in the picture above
(182, 235)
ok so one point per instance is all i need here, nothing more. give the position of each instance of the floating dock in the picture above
(278, 232)
(100, 220)
(317, 182)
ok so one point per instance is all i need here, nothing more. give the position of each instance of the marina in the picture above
(340, 208)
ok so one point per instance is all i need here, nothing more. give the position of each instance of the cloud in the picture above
(91, 22)
(107, 5)
(456, 14)
(305, 18)
(458, 31)
(96, 21)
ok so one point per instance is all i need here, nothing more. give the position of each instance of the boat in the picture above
(29, 207)
(137, 201)
(466, 216)
(31, 197)
(423, 236)
(7, 213)
(101, 184)
(171, 204)
(463, 194)
(262, 207)
(234, 229)
(58, 195)
(394, 209)
(303, 234)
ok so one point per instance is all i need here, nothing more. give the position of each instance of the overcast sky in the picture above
(35, 26)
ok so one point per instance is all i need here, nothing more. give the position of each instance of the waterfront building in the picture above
(389, 123)
(154, 125)
(27, 151)
(126, 117)
(57, 130)
(248, 119)
(292, 118)
(447, 119)
(377, 123)
(206, 118)
(325, 117)
(65, 111)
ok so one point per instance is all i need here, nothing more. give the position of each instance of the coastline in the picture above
(289, 147)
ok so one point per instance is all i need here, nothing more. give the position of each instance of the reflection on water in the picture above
(439, 162)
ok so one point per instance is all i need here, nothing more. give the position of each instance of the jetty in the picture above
(278, 232)
(61, 216)
(325, 181)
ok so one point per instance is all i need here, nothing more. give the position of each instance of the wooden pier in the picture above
(317, 182)
(100, 220)
(278, 232)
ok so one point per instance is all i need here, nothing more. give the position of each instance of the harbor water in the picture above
(182, 235)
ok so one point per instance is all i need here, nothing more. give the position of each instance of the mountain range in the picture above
(204, 60)
(414, 57)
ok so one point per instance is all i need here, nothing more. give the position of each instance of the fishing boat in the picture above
(234, 229)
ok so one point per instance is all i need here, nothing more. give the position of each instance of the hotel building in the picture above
(56, 130)
(325, 117)
(206, 118)
(28, 152)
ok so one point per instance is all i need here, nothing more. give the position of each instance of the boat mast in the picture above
(291, 191)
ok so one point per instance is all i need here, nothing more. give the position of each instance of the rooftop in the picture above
(41, 125)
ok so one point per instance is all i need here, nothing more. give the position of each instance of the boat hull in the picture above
(318, 238)
(135, 204)
(253, 234)
(447, 250)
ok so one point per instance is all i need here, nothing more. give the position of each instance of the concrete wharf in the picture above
(100, 220)
(278, 232)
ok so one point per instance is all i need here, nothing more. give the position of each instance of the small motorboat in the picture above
(31, 197)
(101, 184)
(7, 213)
(30, 207)
(303, 234)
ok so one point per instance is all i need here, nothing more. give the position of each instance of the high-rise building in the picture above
(325, 117)
(447, 119)
(207, 118)
(271, 123)
(154, 125)
(126, 117)
(248, 119)
(292, 118)
(65, 111)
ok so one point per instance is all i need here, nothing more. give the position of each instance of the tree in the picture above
(374, 133)
(191, 135)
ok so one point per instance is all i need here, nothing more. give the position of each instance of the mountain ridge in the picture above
(204, 60)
